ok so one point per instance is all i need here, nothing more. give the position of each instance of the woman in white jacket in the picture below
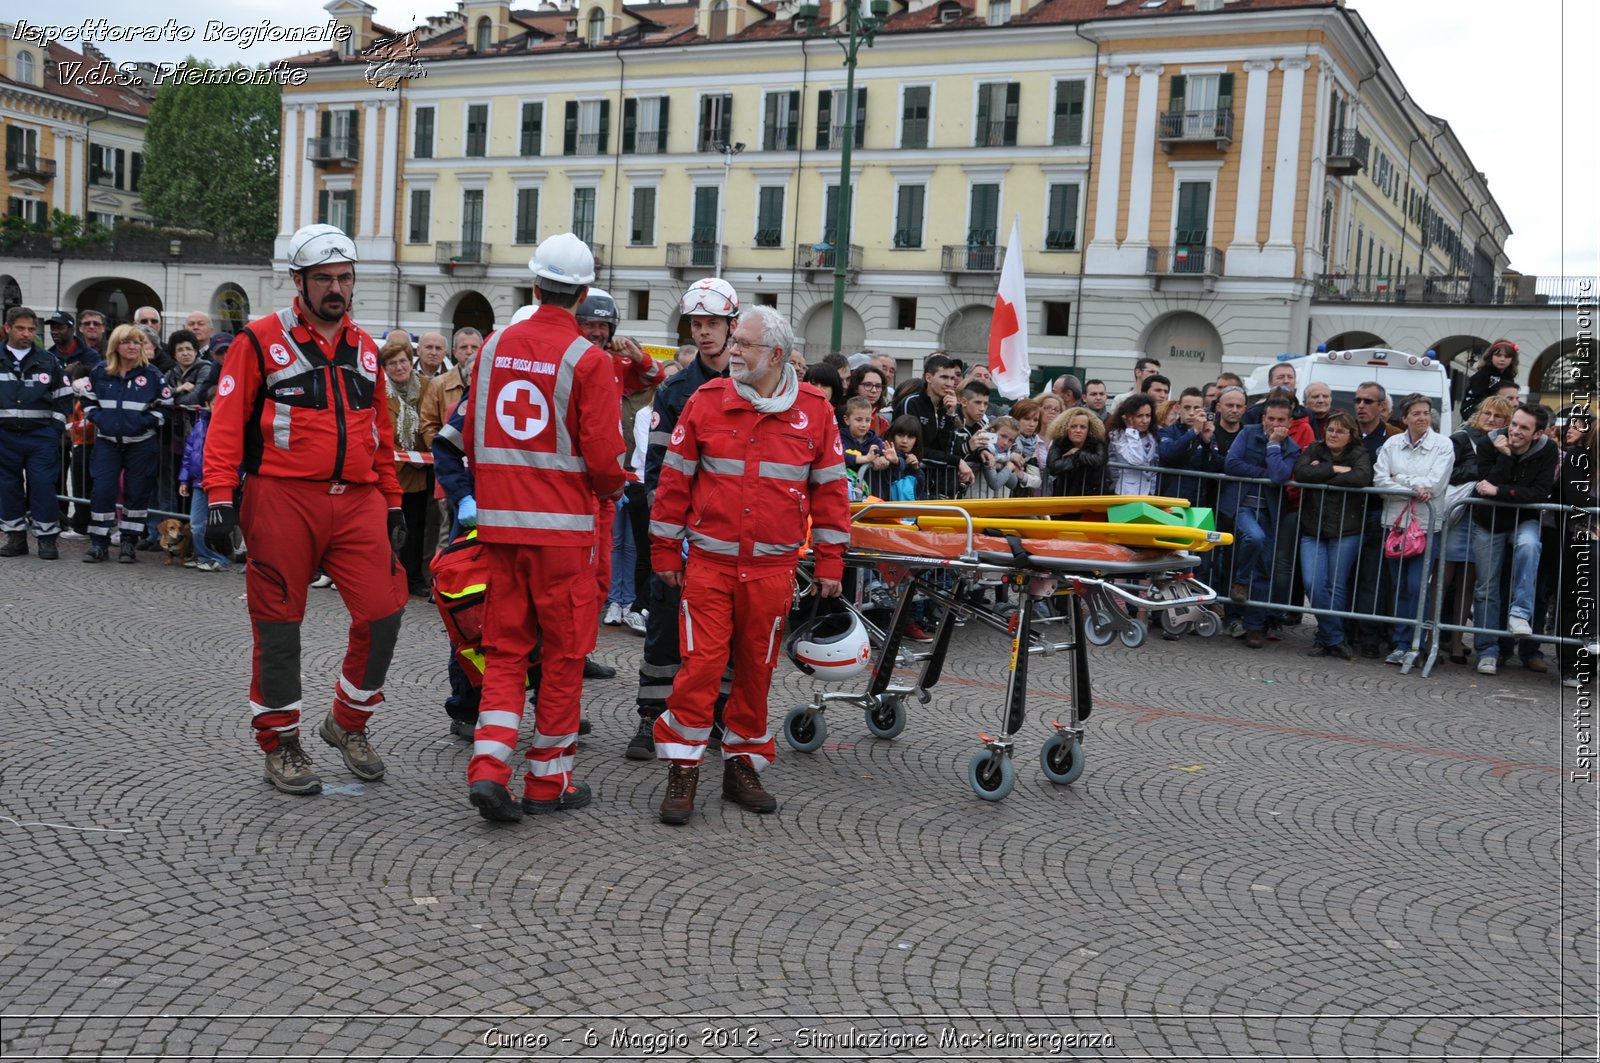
(1419, 461)
(1132, 438)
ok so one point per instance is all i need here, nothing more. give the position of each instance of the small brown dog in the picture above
(177, 540)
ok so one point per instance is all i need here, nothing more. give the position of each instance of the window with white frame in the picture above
(1061, 217)
(421, 215)
(642, 227)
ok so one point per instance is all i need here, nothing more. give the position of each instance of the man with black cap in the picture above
(64, 343)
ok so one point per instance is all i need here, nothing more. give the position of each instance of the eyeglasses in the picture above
(343, 280)
(153, 322)
(1367, 402)
(736, 344)
(864, 386)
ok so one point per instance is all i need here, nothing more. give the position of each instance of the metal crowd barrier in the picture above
(72, 487)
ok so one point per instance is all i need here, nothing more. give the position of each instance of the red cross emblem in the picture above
(521, 410)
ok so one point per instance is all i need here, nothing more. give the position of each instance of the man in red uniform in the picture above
(751, 458)
(542, 439)
(301, 408)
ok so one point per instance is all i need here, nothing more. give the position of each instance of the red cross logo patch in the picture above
(522, 410)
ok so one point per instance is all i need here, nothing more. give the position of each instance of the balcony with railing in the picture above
(1456, 289)
(1184, 260)
(462, 257)
(694, 256)
(1196, 127)
(649, 142)
(972, 258)
(29, 165)
(824, 256)
(1348, 152)
(589, 144)
(344, 149)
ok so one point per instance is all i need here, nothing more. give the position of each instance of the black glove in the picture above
(220, 522)
(397, 529)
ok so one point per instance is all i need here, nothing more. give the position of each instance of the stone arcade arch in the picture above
(1189, 346)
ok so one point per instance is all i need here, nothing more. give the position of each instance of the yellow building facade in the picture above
(1185, 174)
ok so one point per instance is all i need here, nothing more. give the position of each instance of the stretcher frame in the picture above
(1088, 588)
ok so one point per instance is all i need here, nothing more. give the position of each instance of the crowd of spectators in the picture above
(1317, 497)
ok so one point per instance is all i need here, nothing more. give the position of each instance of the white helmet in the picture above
(318, 245)
(563, 260)
(523, 313)
(833, 646)
(713, 297)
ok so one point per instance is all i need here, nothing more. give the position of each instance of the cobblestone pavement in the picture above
(1266, 856)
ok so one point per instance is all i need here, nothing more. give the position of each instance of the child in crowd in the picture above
(1030, 425)
(1012, 469)
(865, 452)
(905, 454)
(194, 449)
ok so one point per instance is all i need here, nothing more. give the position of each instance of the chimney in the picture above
(357, 17)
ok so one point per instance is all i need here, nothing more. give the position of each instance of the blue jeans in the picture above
(1488, 554)
(1255, 531)
(1406, 575)
(1325, 565)
(198, 507)
(622, 558)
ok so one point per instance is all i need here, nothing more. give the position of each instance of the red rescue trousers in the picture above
(721, 616)
(533, 590)
(605, 519)
(292, 528)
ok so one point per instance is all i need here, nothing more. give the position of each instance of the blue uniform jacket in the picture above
(670, 400)
(449, 462)
(127, 408)
(33, 392)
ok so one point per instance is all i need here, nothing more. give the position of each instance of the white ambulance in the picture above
(1399, 373)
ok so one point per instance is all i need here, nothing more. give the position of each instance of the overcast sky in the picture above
(1515, 81)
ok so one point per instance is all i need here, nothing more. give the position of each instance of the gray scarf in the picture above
(407, 423)
(781, 400)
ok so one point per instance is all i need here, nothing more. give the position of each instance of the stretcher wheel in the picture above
(887, 718)
(1061, 758)
(1208, 624)
(804, 729)
(991, 775)
(1133, 637)
(1097, 628)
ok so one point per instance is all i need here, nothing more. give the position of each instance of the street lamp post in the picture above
(861, 28)
(728, 152)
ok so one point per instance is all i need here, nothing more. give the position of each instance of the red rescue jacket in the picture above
(541, 434)
(291, 404)
(741, 485)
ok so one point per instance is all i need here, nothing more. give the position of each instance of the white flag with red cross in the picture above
(1008, 329)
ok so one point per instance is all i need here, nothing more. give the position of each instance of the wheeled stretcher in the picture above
(1081, 563)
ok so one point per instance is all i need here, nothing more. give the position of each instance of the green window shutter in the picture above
(661, 134)
(1180, 91)
(322, 207)
(630, 123)
(792, 139)
(824, 118)
(1013, 106)
(605, 126)
(861, 115)
(1069, 113)
(725, 129)
(569, 135)
(1225, 92)
(122, 158)
(769, 122)
(327, 123)
(981, 137)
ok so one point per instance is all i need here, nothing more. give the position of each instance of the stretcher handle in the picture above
(902, 509)
(1146, 603)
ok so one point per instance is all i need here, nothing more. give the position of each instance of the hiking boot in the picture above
(593, 669)
(1342, 651)
(466, 730)
(354, 747)
(289, 769)
(1532, 664)
(494, 802)
(47, 549)
(679, 802)
(16, 545)
(584, 726)
(1239, 593)
(126, 554)
(1255, 639)
(576, 795)
(97, 552)
(642, 746)
(742, 785)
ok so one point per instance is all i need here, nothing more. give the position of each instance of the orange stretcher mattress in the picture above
(904, 539)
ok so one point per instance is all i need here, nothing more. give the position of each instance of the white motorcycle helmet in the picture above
(711, 296)
(830, 646)
(564, 262)
(316, 245)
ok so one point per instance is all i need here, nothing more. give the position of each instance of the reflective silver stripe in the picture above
(826, 474)
(733, 738)
(713, 546)
(286, 318)
(772, 640)
(257, 709)
(723, 466)
(558, 766)
(350, 690)
(667, 530)
(688, 626)
(136, 514)
(664, 671)
(693, 734)
(681, 463)
(561, 399)
(42, 530)
(450, 434)
(544, 741)
(104, 518)
(122, 404)
(281, 419)
(61, 393)
(828, 535)
(498, 750)
(531, 459)
(141, 437)
(492, 718)
(512, 518)
(480, 392)
(660, 439)
(777, 470)
(27, 415)
(131, 525)
(679, 751)
(295, 368)
(774, 549)
(21, 524)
